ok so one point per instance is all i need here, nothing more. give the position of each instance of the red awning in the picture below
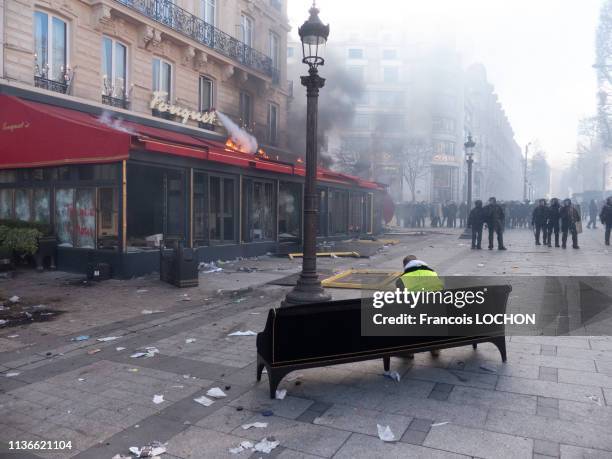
(34, 134)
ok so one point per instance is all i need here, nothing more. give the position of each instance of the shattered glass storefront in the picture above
(289, 211)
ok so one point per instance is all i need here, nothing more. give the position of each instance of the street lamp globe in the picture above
(313, 34)
(469, 147)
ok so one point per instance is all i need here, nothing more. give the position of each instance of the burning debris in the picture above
(239, 139)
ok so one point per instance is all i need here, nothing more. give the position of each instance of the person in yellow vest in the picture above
(419, 276)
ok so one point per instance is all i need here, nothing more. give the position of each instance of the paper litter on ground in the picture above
(242, 447)
(150, 311)
(142, 290)
(216, 392)
(14, 299)
(190, 340)
(394, 375)
(266, 446)
(154, 449)
(109, 338)
(243, 333)
(12, 336)
(384, 433)
(281, 394)
(80, 338)
(2, 321)
(93, 351)
(120, 349)
(257, 425)
(157, 399)
(438, 424)
(10, 374)
(204, 401)
(148, 352)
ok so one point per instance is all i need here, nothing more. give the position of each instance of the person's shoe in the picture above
(480, 248)
(490, 247)
(556, 245)
(435, 353)
(575, 247)
(473, 247)
(538, 243)
(549, 244)
(563, 246)
(608, 243)
(502, 248)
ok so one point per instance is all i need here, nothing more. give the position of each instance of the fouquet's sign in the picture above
(160, 103)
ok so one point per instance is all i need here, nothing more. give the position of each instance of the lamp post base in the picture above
(308, 290)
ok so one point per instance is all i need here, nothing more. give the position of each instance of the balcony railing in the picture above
(115, 102)
(51, 85)
(167, 13)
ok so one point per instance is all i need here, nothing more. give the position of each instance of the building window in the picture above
(272, 124)
(246, 24)
(221, 209)
(275, 50)
(355, 53)
(356, 213)
(338, 212)
(389, 54)
(444, 148)
(114, 69)
(208, 8)
(29, 205)
(290, 52)
(50, 47)
(389, 98)
(259, 210)
(75, 217)
(390, 74)
(289, 210)
(444, 125)
(205, 94)
(162, 83)
(245, 109)
(108, 218)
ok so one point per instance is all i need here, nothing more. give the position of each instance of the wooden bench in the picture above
(321, 334)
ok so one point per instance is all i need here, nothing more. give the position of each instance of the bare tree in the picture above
(414, 158)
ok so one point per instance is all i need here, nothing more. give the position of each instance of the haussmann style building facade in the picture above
(127, 122)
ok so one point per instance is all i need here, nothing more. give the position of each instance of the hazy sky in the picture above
(538, 53)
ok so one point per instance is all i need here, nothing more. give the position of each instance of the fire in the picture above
(230, 144)
(262, 154)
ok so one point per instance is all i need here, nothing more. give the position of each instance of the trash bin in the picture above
(178, 265)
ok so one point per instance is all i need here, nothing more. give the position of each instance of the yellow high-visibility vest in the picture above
(422, 279)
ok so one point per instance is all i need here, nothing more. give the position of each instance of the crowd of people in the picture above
(544, 218)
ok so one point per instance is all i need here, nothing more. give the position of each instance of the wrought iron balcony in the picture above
(115, 101)
(51, 85)
(167, 13)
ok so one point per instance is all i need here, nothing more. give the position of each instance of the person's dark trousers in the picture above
(592, 222)
(574, 237)
(476, 237)
(554, 228)
(500, 235)
(539, 227)
(608, 228)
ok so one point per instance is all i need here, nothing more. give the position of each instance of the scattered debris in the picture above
(204, 401)
(488, 368)
(120, 349)
(293, 377)
(93, 351)
(121, 456)
(148, 352)
(239, 300)
(142, 290)
(254, 313)
(257, 425)
(244, 269)
(80, 338)
(185, 297)
(157, 399)
(2, 321)
(109, 338)
(438, 424)
(133, 370)
(239, 408)
(243, 333)
(266, 446)
(481, 265)
(190, 340)
(10, 374)
(154, 449)
(207, 268)
(281, 394)
(81, 379)
(14, 299)
(242, 447)
(12, 336)
(149, 311)
(228, 387)
(394, 375)
(267, 413)
(385, 433)
(216, 392)
(593, 398)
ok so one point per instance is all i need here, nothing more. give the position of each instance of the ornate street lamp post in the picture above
(308, 289)
(469, 159)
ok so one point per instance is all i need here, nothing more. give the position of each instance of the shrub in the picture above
(44, 228)
(21, 240)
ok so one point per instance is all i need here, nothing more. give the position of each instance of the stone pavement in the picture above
(553, 398)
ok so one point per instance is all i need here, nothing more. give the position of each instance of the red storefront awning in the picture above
(34, 134)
